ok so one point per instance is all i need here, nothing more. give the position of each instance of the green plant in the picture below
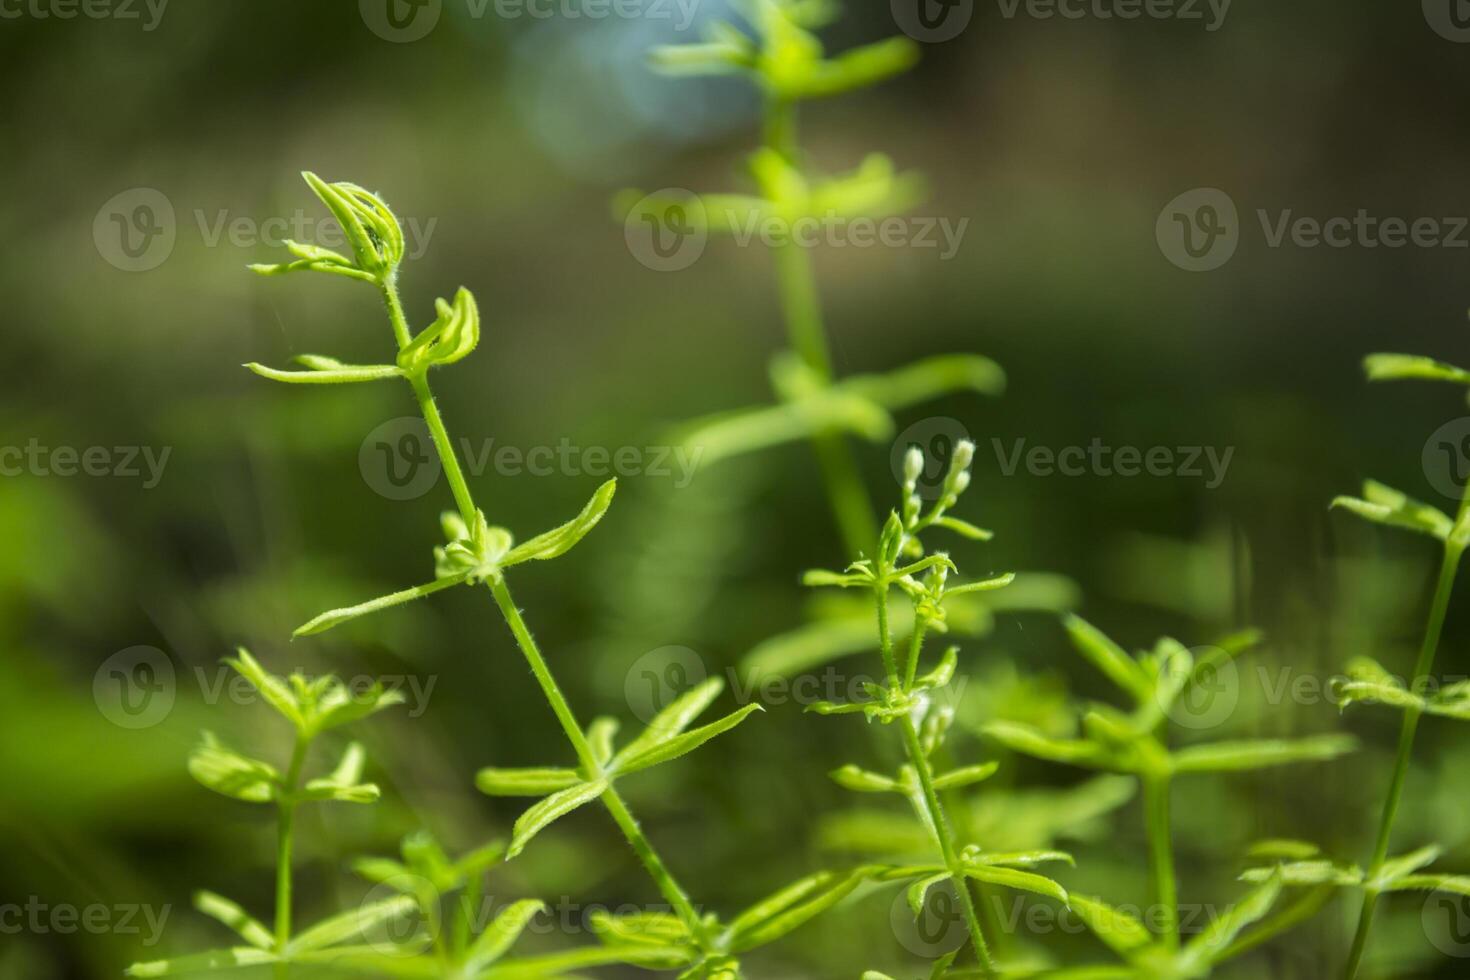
(786, 61)
(1368, 681)
(479, 553)
(312, 706)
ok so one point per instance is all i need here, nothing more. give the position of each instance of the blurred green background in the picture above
(503, 139)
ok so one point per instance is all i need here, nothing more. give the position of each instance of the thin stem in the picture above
(1161, 855)
(945, 838)
(286, 819)
(1422, 668)
(389, 287)
(440, 435)
(916, 644)
(930, 798)
(657, 870)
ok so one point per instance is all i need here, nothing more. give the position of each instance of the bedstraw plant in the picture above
(780, 53)
(476, 553)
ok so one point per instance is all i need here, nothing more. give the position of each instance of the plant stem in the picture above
(796, 284)
(1422, 668)
(286, 817)
(657, 870)
(1161, 855)
(449, 459)
(934, 810)
(945, 839)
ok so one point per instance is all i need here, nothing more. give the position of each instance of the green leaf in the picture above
(340, 705)
(1406, 864)
(525, 782)
(916, 893)
(1456, 884)
(350, 924)
(1261, 753)
(275, 690)
(1110, 658)
(500, 935)
(231, 774)
(1029, 741)
(1396, 367)
(1212, 941)
(336, 617)
(676, 716)
(232, 915)
(1019, 859)
(642, 928)
(555, 806)
(983, 585)
(600, 738)
(854, 69)
(941, 674)
(717, 58)
(453, 335)
(325, 371)
(1313, 872)
(342, 785)
(220, 959)
(1021, 880)
(559, 541)
(862, 781)
(790, 908)
(1385, 505)
(965, 776)
(679, 745)
(1282, 848)
(371, 229)
(1120, 931)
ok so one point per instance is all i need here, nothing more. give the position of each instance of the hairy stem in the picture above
(934, 810)
(1161, 855)
(286, 817)
(657, 870)
(1422, 668)
(464, 500)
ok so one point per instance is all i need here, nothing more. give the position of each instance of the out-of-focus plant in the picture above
(479, 553)
(312, 706)
(1367, 681)
(1135, 742)
(787, 62)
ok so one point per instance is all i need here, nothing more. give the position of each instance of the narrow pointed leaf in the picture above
(600, 738)
(1110, 658)
(220, 959)
(1261, 753)
(351, 924)
(343, 374)
(1119, 930)
(1029, 741)
(492, 943)
(1020, 880)
(561, 539)
(1385, 505)
(682, 744)
(1216, 937)
(525, 782)
(1406, 864)
(676, 716)
(337, 617)
(555, 806)
(275, 691)
(916, 892)
(862, 781)
(229, 913)
(1396, 367)
(966, 776)
(790, 908)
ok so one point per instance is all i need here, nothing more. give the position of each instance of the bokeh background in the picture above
(504, 138)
